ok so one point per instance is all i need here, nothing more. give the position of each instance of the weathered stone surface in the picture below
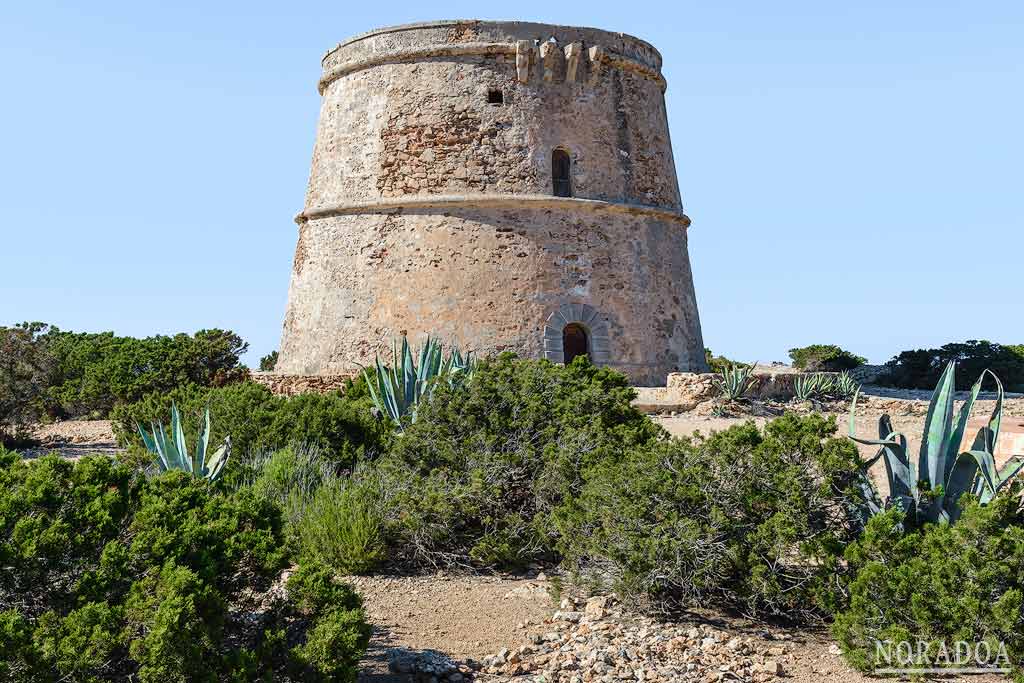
(603, 643)
(293, 385)
(430, 207)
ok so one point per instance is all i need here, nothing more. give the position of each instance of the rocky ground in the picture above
(512, 630)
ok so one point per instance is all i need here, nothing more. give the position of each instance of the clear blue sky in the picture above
(853, 170)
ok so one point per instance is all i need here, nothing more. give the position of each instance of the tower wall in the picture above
(430, 208)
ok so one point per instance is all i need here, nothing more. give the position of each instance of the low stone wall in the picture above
(293, 385)
(685, 390)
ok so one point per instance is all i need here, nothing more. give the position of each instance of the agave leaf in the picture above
(165, 448)
(965, 472)
(387, 391)
(160, 440)
(179, 438)
(898, 471)
(408, 377)
(448, 365)
(1010, 470)
(374, 395)
(997, 416)
(426, 356)
(937, 428)
(438, 363)
(218, 460)
(853, 415)
(147, 440)
(203, 443)
(870, 506)
(399, 389)
(957, 437)
(902, 481)
(986, 469)
(161, 457)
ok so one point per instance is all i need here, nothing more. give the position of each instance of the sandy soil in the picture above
(465, 617)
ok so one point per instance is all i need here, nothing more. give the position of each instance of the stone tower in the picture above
(505, 185)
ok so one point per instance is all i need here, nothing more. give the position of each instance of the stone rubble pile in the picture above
(428, 666)
(591, 642)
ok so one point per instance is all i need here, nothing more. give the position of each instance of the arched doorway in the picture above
(574, 341)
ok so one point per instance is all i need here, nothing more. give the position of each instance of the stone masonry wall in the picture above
(293, 385)
(427, 128)
(429, 208)
(489, 281)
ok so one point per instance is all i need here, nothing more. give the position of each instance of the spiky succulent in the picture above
(172, 453)
(734, 380)
(931, 490)
(845, 386)
(812, 385)
(397, 390)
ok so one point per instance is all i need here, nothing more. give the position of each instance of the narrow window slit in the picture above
(560, 163)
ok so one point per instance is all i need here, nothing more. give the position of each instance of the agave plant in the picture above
(397, 390)
(734, 380)
(930, 491)
(845, 386)
(172, 453)
(807, 386)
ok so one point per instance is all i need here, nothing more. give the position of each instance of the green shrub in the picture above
(342, 527)
(922, 368)
(96, 372)
(824, 358)
(268, 362)
(331, 518)
(18, 660)
(475, 478)
(938, 583)
(339, 423)
(339, 634)
(26, 365)
(293, 473)
(755, 520)
(720, 363)
(110, 575)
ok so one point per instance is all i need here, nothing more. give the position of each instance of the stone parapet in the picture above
(293, 385)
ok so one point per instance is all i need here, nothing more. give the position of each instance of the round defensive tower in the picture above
(508, 186)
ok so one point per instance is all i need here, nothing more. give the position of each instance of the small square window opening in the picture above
(495, 97)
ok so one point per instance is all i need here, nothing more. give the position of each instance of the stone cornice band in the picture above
(604, 56)
(490, 201)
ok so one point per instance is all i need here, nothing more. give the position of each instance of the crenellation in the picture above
(554, 62)
(573, 55)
